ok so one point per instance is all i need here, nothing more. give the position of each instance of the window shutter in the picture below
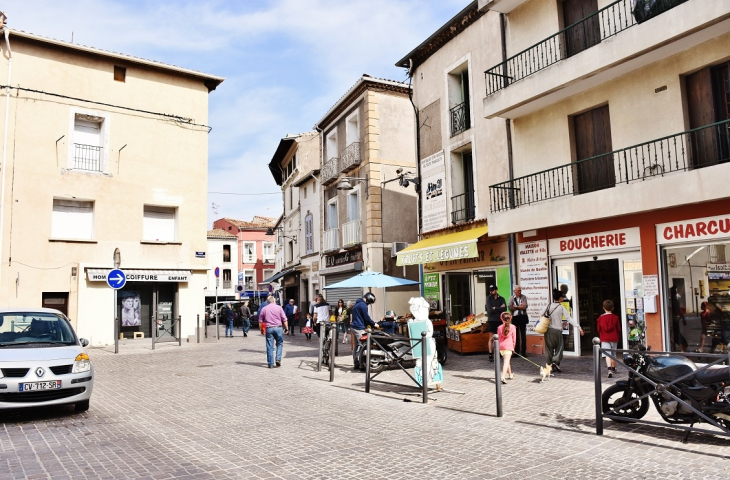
(309, 233)
(159, 224)
(72, 219)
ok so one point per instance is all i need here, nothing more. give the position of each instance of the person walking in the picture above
(339, 312)
(245, 318)
(609, 331)
(495, 307)
(360, 319)
(554, 334)
(346, 316)
(229, 316)
(273, 321)
(321, 315)
(507, 335)
(290, 310)
(517, 305)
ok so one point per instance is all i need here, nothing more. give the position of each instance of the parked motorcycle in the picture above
(394, 348)
(708, 391)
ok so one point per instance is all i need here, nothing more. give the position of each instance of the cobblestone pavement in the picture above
(213, 410)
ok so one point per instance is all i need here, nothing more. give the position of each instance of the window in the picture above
(309, 233)
(708, 102)
(332, 151)
(87, 145)
(249, 252)
(459, 102)
(332, 221)
(592, 133)
(269, 251)
(304, 192)
(290, 167)
(352, 129)
(462, 186)
(248, 279)
(268, 273)
(353, 205)
(314, 188)
(158, 224)
(72, 219)
(226, 253)
(290, 251)
(120, 73)
(226, 278)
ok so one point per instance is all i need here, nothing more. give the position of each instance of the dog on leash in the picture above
(545, 372)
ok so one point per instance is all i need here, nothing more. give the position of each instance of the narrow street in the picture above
(214, 410)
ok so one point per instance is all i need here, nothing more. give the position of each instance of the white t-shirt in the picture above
(322, 313)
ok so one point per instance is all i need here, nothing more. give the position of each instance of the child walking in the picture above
(308, 330)
(609, 331)
(507, 335)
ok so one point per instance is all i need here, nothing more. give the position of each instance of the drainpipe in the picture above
(510, 166)
(5, 144)
(418, 143)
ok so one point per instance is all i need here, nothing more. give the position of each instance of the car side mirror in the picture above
(84, 342)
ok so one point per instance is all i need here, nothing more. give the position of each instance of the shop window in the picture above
(459, 99)
(462, 186)
(226, 253)
(158, 224)
(581, 32)
(592, 134)
(697, 298)
(72, 219)
(708, 105)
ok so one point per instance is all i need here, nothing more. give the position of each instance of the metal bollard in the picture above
(498, 375)
(198, 328)
(321, 345)
(333, 350)
(367, 364)
(424, 366)
(597, 381)
(179, 330)
(155, 331)
(116, 334)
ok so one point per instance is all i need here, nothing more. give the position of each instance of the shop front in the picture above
(695, 272)
(340, 267)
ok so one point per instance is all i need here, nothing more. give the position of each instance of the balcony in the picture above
(690, 150)
(462, 208)
(87, 157)
(350, 157)
(330, 170)
(554, 68)
(226, 284)
(460, 118)
(331, 240)
(351, 234)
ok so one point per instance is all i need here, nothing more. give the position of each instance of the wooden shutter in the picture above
(585, 34)
(701, 110)
(592, 132)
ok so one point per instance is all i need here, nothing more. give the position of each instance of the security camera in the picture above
(399, 171)
(595, 259)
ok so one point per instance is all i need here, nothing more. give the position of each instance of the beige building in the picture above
(619, 123)
(103, 151)
(367, 137)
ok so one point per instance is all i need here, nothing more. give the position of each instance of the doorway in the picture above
(458, 295)
(56, 300)
(597, 281)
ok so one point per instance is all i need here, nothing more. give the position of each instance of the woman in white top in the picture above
(554, 334)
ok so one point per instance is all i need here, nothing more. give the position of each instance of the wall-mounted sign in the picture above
(315, 266)
(199, 254)
(351, 256)
(433, 192)
(695, 229)
(595, 242)
(99, 275)
(432, 290)
(534, 273)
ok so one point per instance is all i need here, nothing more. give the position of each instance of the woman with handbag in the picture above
(554, 334)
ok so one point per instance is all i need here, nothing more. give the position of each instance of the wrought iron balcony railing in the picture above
(330, 170)
(696, 148)
(460, 120)
(331, 240)
(462, 207)
(350, 157)
(351, 234)
(226, 284)
(606, 22)
(87, 157)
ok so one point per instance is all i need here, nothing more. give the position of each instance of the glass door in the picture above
(632, 310)
(564, 279)
(458, 295)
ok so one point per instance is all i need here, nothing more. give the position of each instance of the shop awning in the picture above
(140, 275)
(276, 276)
(453, 246)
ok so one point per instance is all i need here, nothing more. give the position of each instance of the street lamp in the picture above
(346, 182)
(270, 232)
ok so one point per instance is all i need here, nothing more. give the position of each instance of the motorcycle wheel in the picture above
(616, 395)
(442, 354)
(376, 363)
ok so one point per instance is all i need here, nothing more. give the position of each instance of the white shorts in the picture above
(609, 345)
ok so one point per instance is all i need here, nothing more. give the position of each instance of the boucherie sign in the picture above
(595, 242)
(695, 229)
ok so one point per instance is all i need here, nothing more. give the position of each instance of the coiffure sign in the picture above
(628, 238)
(696, 229)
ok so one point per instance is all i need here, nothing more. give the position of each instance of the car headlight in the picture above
(81, 363)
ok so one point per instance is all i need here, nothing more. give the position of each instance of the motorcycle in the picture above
(388, 350)
(708, 391)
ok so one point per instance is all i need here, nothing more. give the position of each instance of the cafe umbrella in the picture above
(372, 280)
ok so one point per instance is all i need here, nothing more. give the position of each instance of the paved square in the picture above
(213, 410)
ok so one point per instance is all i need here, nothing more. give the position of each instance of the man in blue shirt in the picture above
(290, 310)
(359, 320)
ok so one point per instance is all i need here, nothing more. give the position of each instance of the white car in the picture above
(42, 361)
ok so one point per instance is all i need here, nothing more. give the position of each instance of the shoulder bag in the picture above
(544, 322)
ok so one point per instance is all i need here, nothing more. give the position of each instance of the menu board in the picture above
(534, 279)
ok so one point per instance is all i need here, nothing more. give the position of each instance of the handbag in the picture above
(544, 322)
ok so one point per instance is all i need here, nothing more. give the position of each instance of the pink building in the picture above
(255, 248)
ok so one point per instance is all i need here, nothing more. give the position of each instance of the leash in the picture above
(538, 366)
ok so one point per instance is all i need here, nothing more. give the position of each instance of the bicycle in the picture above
(329, 333)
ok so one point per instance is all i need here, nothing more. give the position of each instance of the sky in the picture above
(286, 62)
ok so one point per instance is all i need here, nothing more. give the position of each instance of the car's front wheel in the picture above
(82, 406)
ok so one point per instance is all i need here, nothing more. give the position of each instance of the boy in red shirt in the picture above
(609, 331)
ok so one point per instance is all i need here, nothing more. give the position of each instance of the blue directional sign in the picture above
(116, 279)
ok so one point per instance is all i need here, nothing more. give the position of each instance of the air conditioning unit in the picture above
(397, 247)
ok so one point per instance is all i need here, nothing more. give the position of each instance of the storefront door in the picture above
(458, 296)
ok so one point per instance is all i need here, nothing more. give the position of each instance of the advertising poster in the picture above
(131, 308)
(534, 279)
(432, 289)
(433, 193)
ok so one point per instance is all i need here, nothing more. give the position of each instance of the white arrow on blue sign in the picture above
(116, 279)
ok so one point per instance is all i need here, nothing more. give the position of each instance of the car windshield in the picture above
(19, 328)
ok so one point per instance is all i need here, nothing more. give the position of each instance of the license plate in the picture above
(52, 385)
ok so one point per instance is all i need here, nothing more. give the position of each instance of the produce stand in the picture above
(467, 336)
